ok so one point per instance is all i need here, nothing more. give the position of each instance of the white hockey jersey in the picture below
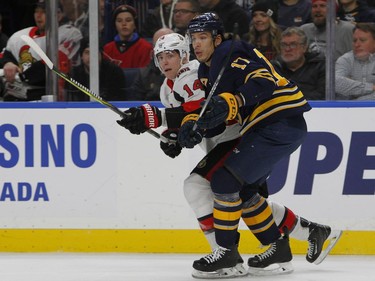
(186, 88)
(69, 39)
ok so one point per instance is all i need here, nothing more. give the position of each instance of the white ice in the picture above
(163, 267)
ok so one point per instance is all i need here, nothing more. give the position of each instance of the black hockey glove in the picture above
(172, 148)
(220, 108)
(187, 137)
(140, 119)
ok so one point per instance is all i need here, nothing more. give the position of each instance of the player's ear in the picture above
(218, 40)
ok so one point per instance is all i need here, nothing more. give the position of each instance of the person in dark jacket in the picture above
(111, 78)
(3, 37)
(356, 11)
(230, 13)
(160, 17)
(295, 63)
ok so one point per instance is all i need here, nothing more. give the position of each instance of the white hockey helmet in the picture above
(171, 42)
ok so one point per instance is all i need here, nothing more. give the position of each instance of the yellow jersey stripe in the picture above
(265, 115)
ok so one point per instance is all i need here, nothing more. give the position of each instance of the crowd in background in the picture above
(291, 34)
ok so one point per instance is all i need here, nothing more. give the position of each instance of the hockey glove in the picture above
(172, 148)
(140, 119)
(220, 108)
(187, 137)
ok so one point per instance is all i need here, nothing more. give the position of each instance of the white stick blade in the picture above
(29, 41)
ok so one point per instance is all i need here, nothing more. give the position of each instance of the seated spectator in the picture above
(111, 78)
(127, 49)
(355, 70)
(184, 11)
(297, 64)
(317, 35)
(230, 13)
(147, 84)
(24, 71)
(356, 11)
(161, 17)
(264, 33)
(76, 13)
(294, 12)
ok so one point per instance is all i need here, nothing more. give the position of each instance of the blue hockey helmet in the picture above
(206, 22)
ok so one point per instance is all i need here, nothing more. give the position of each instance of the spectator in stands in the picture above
(264, 32)
(316, 31)
(128, 49)
(161, 17)
(147, 84)
(297, 64)
(230, 13)
(24, 72)
(184, 11)
(356, 11)
(355, 70)
(111, 78)
(3, 37)
(294, 12)
(77, 12)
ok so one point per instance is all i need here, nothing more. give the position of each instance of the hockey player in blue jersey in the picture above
(270, 109)
(181, 95)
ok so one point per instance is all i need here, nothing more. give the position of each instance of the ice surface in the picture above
(163, 267)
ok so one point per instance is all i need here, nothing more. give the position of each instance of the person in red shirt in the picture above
(127, 49)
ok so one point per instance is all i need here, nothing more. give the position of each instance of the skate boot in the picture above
(221, 263)
(318, 234)
(275, 260)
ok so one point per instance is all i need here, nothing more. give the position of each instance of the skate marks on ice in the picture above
(164, 267)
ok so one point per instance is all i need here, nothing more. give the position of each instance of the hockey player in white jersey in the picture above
(182, 93)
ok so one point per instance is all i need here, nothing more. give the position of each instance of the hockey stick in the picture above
(218, 78)
(79, 86)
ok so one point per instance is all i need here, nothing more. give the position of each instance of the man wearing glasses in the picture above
(296, 63)
(184, 11)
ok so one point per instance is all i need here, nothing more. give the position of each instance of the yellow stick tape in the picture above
(154, 241)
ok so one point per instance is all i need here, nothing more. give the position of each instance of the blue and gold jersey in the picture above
(266, 95)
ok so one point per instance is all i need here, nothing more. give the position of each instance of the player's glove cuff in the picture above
(190, 117)
(232, 105)
(152, 116)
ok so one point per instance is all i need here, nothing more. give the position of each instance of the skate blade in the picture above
(232, 272)
(273, 269)
(333, 239)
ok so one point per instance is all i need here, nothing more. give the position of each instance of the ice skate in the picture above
(275, 260)
(221, 263)
(318, 234)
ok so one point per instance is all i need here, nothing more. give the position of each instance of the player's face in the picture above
(170, 63)
(261, 21)
(40, 18)
(292, 49)
(203, 46)
(363, 44)
(125, 25)
(319, 13)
